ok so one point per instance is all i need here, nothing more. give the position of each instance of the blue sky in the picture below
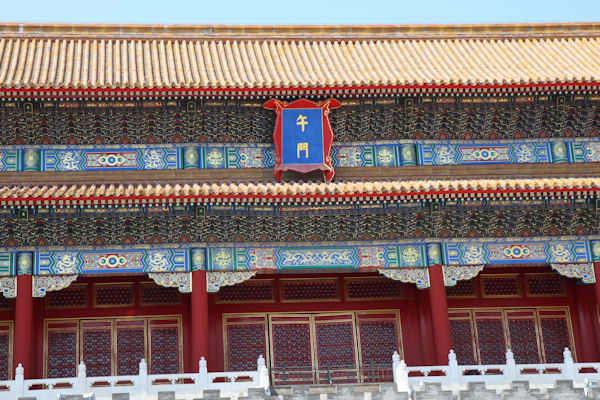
(299, 11)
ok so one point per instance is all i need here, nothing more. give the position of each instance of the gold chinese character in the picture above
(302, 147)
(302, 121)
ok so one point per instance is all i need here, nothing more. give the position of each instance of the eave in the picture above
(127, 188)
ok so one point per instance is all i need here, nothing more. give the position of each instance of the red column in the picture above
(24, 343)
(199, 320)
(439, 314)
(597, 284)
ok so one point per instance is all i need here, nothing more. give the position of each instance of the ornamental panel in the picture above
(117, 158)
(107, 261)
(313, 257)
(516, 252)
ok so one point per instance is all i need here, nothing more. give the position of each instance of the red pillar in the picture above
(24, 343)
(597, 284)
(199, 320)
(584, 314)
(439, 314)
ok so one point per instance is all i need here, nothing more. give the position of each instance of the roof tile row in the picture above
(131, 63)
(74, 191)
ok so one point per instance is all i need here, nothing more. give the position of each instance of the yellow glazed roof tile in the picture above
(384, 188)
(107, 56)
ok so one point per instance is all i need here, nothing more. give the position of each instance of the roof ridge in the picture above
(297, 32)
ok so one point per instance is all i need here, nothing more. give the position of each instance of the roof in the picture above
(37, 56)
(291, 191)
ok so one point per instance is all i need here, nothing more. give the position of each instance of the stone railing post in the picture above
(81, 386)
(400, 373)
(569, 366)
(19, 388)
(143, 379)
(262, 373)
(512, 374)
(453, 371)
(202, 374)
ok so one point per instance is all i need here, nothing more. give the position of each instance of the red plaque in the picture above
(303, 136)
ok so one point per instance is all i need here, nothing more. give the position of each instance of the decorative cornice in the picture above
(44, 284)
(180, 280)
(418, 276)
(215, 280)
(8, 286)
(583, 271)
(455, 273)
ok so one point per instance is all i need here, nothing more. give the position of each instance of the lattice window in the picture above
(152, 294)
(523, 336)
(165, 345)
(255, 290)
(74, 296)
(373, 289)
(114, 295)
(97, 347)
(464, 289)
(556, 334)
(534, 335)
(6, 304)
(461, 330)
(112, 346)
(335, 341)
(545, 285)
(131, 345)
(291, 342)
(61, 349)
(246, 340)
(6, 341)
(314, 290)
(490, 337)
(500, 285)
(378, 338)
